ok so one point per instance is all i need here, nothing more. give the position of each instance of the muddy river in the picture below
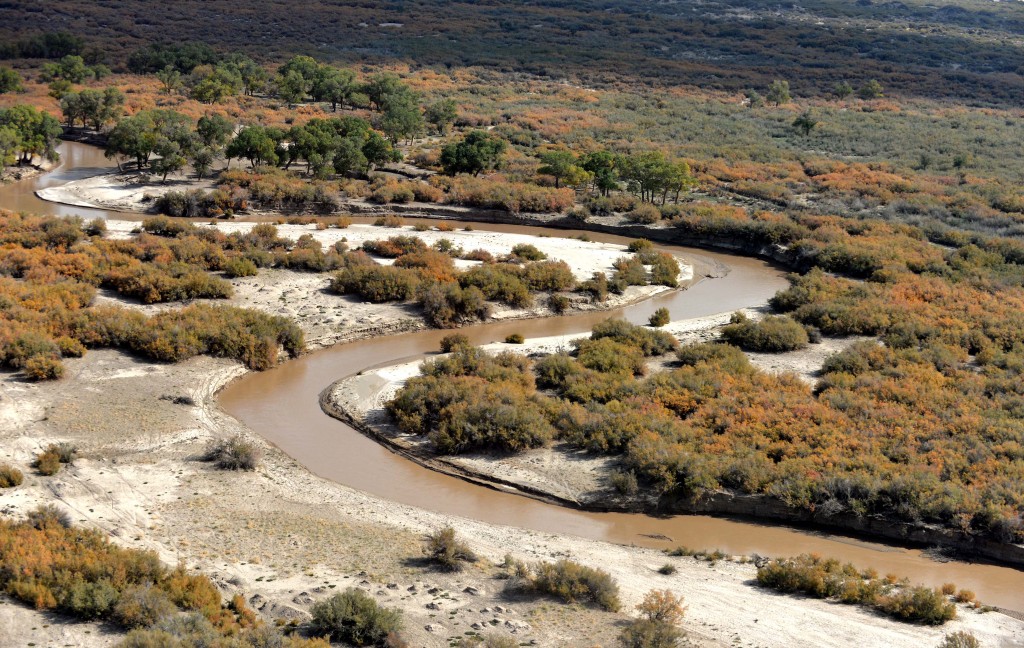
(282, 406)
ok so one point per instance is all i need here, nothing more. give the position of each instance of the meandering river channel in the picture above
(282, 405)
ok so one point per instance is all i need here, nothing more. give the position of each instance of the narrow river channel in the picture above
(282, 406)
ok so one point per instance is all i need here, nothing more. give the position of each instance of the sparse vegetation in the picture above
(10, 476)
(235, 453)
(566, 580)
(447, 550)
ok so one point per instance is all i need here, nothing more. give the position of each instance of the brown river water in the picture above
(282, 405)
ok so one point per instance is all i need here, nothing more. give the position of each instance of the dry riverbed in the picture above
(286, 538)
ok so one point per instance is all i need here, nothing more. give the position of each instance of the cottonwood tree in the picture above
(441, 115)
(478, 151)
(564, 167)
(805, 123)
(602, 166)
(871, 89)
(253, 143)
(10, 81)
(31, 133)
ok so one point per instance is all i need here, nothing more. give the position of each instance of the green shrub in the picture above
(650, 343)
(447, 550)
(354, 617)
(608, 356)
(240, 267)
(10, 476)
(43, 368)
(660, 317)
(918, 604)
(572, 582)
(640, 245)
(644, 214)
(667, 569)
(515, 338)
(390, 220)
(650, 634)
(773, 334)
(454, 341)
(597, 286)
(527, 252)
(448, 305)
(558, 303)
(235, 453)
(48, 463)
(625, 482)
(142, 606)
(377, 283)
(630, 271)
(48, 516)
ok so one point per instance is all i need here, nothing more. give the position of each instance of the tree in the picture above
(291, 87)
(778, 92)
(754, 98)
(254, 77)
(334, 85)
(10, 81)
(36, 133)
(214, 131)
(564, 167)
(170, 78)
(651, 174)
(170, 157)
(10, 142)
(254, 143)
(201, 158)
(164, 132)
(212, 84)
(92, 107)
(478, 151)
(378, 150)
(382, 88)
(71, 68)
(805, 123)
(843, 90)
(59, 88)
(441, 115)
(602, 167)
(871, 89)
(402, 118)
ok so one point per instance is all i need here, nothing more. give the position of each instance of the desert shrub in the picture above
(660, 317)
(454, 341)
(527, 252)
(96, 227)
(624, 482)
(640, 245)
(514, 197)
(70, 347)
(489, 641)
(644, 214)
(597, 286)
(66, 452)
(515, 338)
(235, 453)
(608, 356)
(959, 639)
(664, 270)
(918, 604)
(650, 343)
(240, 267)
(390, 220)
(550, 276)
(558, 303)
(392, 191)
(771, 334)
(447, 550)
(499, 282)
(10, 476)
(448, 305)
(47, 463)
(479, 255)
(377, 283)
(43, 368)
(395, 246)
(821, 578)
(650, 634)
(573, 582)
(965, 596)
(630, 271)
(153, 283)
(48, 517)
(142, 606)
(354, 617)
(164, 226)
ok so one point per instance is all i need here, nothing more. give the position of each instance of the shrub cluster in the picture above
(829, 579)
(771, 334)
(235, 453)
(447, 550)
(567, 580)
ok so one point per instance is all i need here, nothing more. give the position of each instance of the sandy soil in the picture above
(285, 538)
(119, 191)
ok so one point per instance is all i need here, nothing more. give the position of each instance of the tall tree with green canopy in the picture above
(478, 151)
(602, 167)
(441, 115)
(564, 166)
(333, 85)
(778, 92)
(253, 143)
(402, 118)
(214, 130)
(37, 132)
(10, 81)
